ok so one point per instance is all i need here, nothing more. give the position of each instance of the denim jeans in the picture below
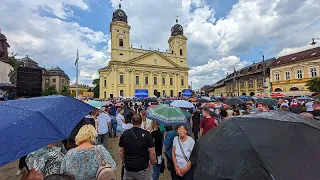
(156, 171)
(113, 130)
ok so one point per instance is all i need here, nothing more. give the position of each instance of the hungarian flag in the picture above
(77, 59)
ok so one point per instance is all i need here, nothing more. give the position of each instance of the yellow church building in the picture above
(132, 69)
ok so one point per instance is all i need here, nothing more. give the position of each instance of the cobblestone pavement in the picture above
(8, 172)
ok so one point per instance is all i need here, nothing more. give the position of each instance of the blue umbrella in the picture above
(245, 98)
(182, 104)
(29, 124)
(96, 104)
(304, 98)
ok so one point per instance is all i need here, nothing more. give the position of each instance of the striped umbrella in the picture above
(167, 115)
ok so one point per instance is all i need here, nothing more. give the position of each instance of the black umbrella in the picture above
(271, 145)
(268, 101)
(203, 100)
(234, 101)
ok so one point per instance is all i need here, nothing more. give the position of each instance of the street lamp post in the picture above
(264, 72)
(314, 41)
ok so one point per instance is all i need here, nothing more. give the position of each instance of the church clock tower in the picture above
(120, 35)
(178, 44)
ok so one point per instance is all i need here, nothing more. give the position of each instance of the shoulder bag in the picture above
(105, 172)
(182, 151)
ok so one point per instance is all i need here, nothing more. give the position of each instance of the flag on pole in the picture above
(77, 59)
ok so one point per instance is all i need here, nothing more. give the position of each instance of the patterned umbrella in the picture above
(167, 115)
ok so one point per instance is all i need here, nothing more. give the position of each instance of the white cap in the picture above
(284, 104)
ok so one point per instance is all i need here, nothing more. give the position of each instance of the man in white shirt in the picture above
(103, 122)
(309, 107)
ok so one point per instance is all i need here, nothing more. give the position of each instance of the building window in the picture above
(182, 82)
(250, 83)
(163, 81)
(105, 94)
(155, 80)
(171, 51)
(299, 74)
(121, 92)
(146, 80)
(242, 84)
(62, 80)
(121, 54)
(287, 76)
(137, 79)
(171, 81)
(121, 42)
(121, 79)
(277, 77)
(260, 83)
(181, 52)
(54, 80)
(155, 61)
(105, 83)
(171, 93)
(47, 81)
(313, 72)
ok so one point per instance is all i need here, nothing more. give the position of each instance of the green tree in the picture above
(96, 89)
(49, 90)
(314, 85)
(65, 91)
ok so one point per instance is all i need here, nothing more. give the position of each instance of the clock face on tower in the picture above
(120, 13)
(180, 28)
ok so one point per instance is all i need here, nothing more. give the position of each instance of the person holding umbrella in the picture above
(181, 151)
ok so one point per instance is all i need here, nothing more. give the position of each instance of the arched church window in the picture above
(121, 42)
(172, 51)
(181, 52)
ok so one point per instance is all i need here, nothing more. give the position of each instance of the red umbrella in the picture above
(277, 95)
(119, 104)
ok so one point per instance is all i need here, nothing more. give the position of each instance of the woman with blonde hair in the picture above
(84, 160)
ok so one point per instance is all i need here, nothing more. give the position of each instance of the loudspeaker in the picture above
(29, 82)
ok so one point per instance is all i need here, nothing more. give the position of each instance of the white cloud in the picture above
(214, 70)
(53, 41)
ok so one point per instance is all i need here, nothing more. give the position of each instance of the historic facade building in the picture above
(248, 80)
(290, 73)
(131, 69)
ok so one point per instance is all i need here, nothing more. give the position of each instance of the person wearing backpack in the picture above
(88, 161)
(181, 151)
(137, 151)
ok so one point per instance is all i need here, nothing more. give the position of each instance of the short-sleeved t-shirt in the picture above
(206, 124)
(119, 119)
(187, 147)
(136, 156)
(103, 120)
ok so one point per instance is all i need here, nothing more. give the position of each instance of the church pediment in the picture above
(153, 58)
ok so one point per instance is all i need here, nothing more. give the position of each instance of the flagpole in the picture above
(77, 71)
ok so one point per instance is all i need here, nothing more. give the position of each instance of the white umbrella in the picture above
(182, 104)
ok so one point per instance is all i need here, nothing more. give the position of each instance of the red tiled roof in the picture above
(307, 54)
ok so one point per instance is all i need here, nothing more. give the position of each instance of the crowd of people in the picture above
(146, 148)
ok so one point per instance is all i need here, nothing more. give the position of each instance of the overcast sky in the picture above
(222, 34)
